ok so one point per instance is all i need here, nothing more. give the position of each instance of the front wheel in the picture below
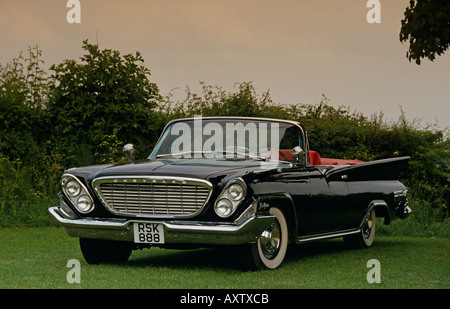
(99, 251)
(270, 249)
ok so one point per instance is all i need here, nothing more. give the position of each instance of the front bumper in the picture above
(175, 232)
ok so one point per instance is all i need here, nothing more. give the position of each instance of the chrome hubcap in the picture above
(368, 226)
(270, 241)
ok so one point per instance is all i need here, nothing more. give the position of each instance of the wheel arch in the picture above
(284, 202)
(381, 210)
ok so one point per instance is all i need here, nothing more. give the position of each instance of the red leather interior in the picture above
(286, 154)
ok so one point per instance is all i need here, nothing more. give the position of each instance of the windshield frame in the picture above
(166, 130)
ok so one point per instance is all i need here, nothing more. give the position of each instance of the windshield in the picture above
(243, 139)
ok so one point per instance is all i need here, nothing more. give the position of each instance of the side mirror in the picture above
(129, 151)
(297, 154)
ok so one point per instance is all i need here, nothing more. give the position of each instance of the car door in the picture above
(326, 208)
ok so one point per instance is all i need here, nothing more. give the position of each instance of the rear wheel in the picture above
(366, 236)
(98, 251)
(270, 249)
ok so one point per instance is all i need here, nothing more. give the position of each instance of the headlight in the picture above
(77, 193)
(224, 207)
(230, 198)
(84, 203)
(236, 192)
(72, 188)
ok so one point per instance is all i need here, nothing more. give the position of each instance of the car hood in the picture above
(190, 168)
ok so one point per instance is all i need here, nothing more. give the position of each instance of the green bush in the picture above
(21, 202)
(23, 97)
(104, 95)
(86, 111)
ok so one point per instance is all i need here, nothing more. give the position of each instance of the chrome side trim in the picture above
(302, 239)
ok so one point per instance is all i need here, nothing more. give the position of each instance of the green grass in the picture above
(37, 258)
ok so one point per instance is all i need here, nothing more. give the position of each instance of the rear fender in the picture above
(381, 211)
(386, 169)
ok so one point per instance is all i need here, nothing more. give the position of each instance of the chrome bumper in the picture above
(175, 232)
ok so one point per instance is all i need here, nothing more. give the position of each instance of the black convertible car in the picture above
(249, 182)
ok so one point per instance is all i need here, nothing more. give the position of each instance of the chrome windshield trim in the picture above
(291, 122)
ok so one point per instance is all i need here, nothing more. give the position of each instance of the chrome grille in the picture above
(153, 196)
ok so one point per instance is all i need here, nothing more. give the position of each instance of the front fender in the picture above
(285, 203)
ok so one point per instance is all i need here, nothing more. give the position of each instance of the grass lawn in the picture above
(37, 258)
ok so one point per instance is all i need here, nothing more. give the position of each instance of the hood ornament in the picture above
(129, 151)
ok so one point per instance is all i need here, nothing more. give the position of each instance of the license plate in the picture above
(148, 233)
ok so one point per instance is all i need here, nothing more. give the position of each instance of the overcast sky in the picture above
(296, 49)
